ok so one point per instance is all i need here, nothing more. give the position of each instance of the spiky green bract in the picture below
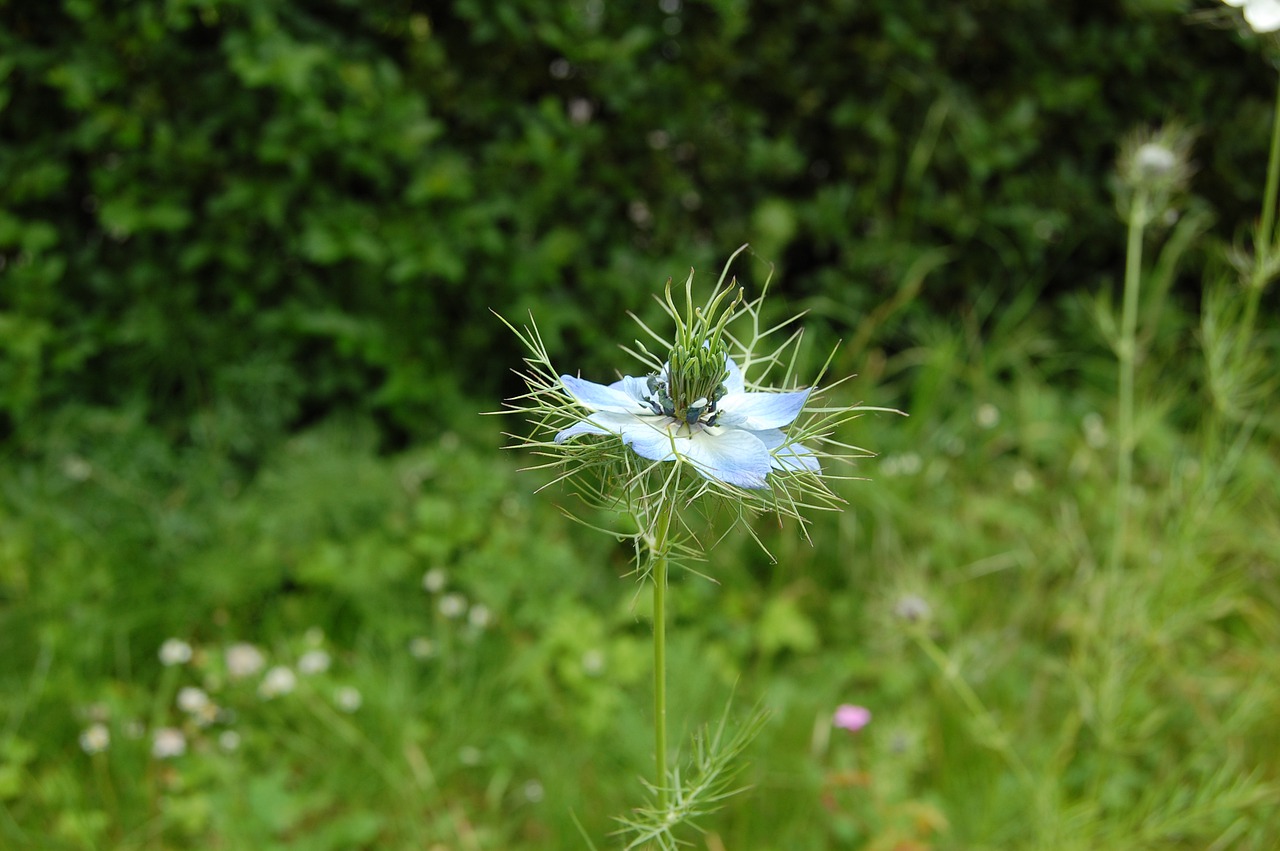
(696, 792)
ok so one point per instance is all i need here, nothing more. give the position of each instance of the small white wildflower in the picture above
(229, 740)
(313, 662)
(452, 605)
(348, 698)
(174, 651)
(580, 111)
(192, 700)
(639, 213)
(244, 660)
(1154, 159)
(987, 415)
(277, 681)
(434, 580)
(912, 608)
(906, 464)
(533, 791)
(76, 468)
(422, 647)
(168, 742)
(95, 738)
(479, 616)
(593, 662)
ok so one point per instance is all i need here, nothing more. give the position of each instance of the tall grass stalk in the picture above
(1126, 352)
(1266, 227)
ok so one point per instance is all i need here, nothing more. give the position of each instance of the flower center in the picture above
(693, 385)
(694, 382)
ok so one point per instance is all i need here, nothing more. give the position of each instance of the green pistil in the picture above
(697, 374)
(697, 380)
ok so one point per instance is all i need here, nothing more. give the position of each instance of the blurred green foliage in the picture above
(247, 254)
(237, 216)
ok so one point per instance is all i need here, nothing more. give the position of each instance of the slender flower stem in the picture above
(659, 551)
(1266, 229)
(1126, 351)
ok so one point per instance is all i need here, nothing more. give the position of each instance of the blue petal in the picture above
(734, 383)
(598, 397)
(760, 411)
(648, 436)
(793, 457)
(728, 455)
(636, 388)
(576, 429)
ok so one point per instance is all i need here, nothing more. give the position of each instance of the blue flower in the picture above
(735, 437)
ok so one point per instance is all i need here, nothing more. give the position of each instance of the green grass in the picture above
(1040, 698)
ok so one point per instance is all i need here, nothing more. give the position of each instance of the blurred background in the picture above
(248, 257)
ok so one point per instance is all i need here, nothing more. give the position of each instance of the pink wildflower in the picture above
(851, 718)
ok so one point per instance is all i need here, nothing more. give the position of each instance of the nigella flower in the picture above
(702, 401)
(725, 433)
(1262, 15)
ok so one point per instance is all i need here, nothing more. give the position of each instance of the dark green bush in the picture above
(235, 217)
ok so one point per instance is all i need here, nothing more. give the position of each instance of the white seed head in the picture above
(174, 651)
(314, 662)
(95, 738)
(168, 742)
(278, 681)
(244, 660)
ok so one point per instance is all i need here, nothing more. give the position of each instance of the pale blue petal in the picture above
(576, 429)
(636, 388)
(732, 456)
(734, 383)
(600, 422)
(759, 411)
(598, 397)
(649, 438)
(793, 457)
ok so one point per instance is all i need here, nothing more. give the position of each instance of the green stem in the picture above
(659, 550)
(1266, 232)
(1126, 353)
(1266, 229)
(995, 736)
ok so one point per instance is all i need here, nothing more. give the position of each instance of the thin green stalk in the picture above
(1126, 351)
(659, 551)
(1266, 229)
(1266, 233)
(997, 740)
